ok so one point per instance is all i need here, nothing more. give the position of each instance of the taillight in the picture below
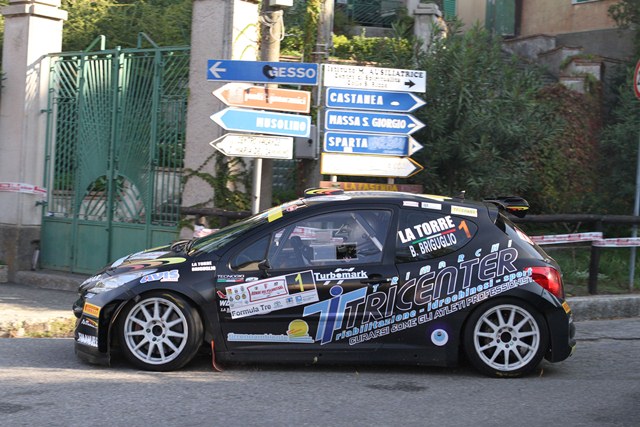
(549, 278)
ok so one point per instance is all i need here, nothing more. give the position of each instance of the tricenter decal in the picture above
(418, 300)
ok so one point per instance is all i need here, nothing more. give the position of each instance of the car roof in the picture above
(394, 197)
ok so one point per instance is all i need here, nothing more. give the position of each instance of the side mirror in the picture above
(264, 267)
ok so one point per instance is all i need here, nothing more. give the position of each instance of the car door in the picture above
(434, 264)
(306, 285)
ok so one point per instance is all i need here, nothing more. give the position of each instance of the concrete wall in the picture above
(221, 29)
(33, 28)
(546, 16)
(560, 16)
(471, 12)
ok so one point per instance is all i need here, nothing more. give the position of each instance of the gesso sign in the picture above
(262, 72)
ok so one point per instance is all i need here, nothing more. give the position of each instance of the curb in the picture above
(604, 307)
(50, 280)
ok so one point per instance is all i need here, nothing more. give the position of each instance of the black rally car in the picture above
(353, 277)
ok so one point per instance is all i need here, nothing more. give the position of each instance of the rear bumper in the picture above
(563, 334)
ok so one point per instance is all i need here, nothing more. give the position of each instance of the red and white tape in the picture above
(19, 187)
(557, 239)
(623, 242)
(595, 238)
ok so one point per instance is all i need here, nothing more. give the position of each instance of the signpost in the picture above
(245, 95)
(238, 119)
(358, 165)
(374, 144)
(250, 145)
(351, 76)
(299, 73)
(402, 102)
(361, 121)
(372, 186)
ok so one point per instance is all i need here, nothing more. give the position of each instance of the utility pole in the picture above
(309, 169)
(270, 36)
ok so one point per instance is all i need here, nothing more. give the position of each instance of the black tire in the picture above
(505, 338)
(160, 332)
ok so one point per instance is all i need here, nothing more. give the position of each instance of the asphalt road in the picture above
(44, 384)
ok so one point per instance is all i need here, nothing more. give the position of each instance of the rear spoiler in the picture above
(515, 205)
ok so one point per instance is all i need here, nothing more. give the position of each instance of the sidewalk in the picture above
(38, 299)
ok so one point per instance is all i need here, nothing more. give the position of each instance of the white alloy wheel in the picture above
(506, 339)
(160, 332)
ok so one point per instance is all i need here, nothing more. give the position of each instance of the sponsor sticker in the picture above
(566, 307)
(89, 322)
(275, 293)
(461, 210)
(298, 332)
(432, 206)
(163, 276)
(91, 310)
(203, 266)
(88, 340)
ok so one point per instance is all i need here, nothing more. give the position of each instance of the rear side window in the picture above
(428, 235)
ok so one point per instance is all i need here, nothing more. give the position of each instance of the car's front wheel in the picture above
(505, 338)
(160, 332)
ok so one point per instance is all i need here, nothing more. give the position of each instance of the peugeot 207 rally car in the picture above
(353, 277)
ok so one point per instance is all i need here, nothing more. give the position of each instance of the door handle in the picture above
(375, 278)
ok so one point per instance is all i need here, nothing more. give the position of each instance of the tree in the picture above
(483, 119)
(166, 22)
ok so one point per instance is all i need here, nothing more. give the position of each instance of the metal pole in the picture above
(257, 178)
(634, 229)
(271, 35)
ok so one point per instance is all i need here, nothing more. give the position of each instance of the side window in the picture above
(352, 237)
(428, 235)
(249, 258)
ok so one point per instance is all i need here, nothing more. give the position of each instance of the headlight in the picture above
(108, 283)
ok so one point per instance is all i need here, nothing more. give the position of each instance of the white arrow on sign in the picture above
(215, 70)
(249, 145)
(363, 165)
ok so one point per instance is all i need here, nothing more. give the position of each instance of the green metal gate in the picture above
(115, 152)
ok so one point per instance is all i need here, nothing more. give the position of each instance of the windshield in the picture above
(220, 238)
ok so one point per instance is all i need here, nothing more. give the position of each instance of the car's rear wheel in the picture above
(505, 338)
(160, 332)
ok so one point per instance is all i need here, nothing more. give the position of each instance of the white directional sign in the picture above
(374, 78)
(249, 145)
(363, 165)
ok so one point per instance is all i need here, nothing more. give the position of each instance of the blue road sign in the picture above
(362, 143)
(266, 122)
(360, 121)
(403, 102)
(229, 70)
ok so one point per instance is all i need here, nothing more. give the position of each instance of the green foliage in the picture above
(483, 119)
(619, 145)
(566, 168)
(166, 22)
(231, 173)
(393, 52)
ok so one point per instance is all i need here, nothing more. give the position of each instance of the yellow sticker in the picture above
(91, 310)
(566, 307)
(274, 214)
(461, 210)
